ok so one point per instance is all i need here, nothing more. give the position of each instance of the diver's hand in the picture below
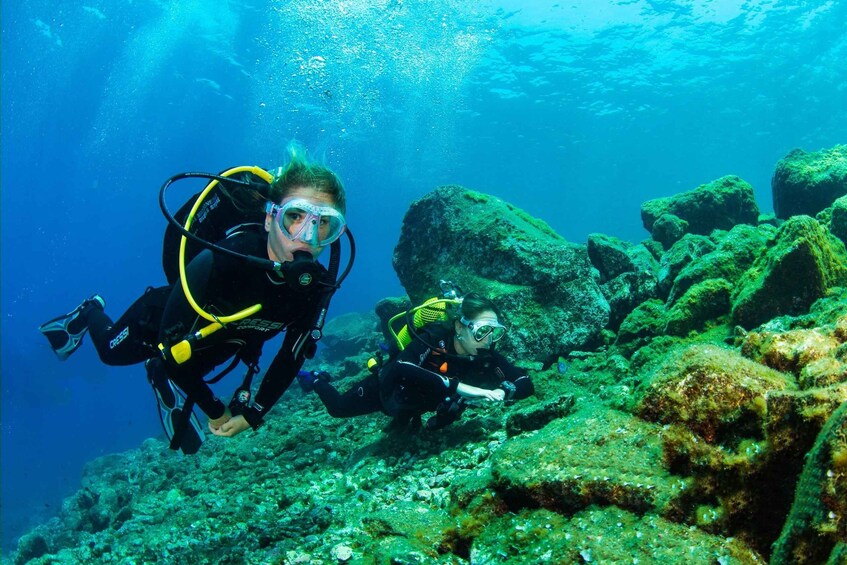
(472, 392)
(232, 427)
(216, 423)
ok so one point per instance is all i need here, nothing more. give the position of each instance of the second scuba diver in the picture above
(440, 370)
(298, 216)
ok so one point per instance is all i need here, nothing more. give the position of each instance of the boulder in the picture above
(596, 456)
(703, 302)
(802, 262)
(806, 183)
(668, 229)
(735, 252)
(545, 286)
(792, 351)
(688, 249)
(625, 292)
(602, 535)
(713, 391)
(348, 335)
(835, 218)
(641, 325)
(612, 256)
(627, 273)
(815, 525)
(538, 415)
(721, 204)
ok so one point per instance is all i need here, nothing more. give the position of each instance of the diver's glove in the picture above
(446, 413)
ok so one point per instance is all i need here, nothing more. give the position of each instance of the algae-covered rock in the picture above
(796, 351)
(612, 256)
(348, 335)
(685, 251)
(625, 292)
(595, 456)
(713, 391)
(838, 219)
(539, 415)
(794, 418)
(627, 274)
(705, 301)
(720, 204)
(641, 325)
(735, 252)
(668, 229)
(407, 532)
(806, 183)
(801, 264)
(818, 518)
(544, 285)
(602, 535)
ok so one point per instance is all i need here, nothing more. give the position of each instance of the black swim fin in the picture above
(65, 333)
(175, 412)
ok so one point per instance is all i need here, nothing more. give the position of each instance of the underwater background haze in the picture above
(576, 112)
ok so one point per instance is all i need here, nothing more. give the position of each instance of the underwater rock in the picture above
(734, 254)
(685, 251)
(613, 257)
(835, 218)
(627, 273)
(537, 416)
(596, 456)
(348, 335)
(705, 301)
(808, 354)
(625, 292)
(806, 183)
(641, 325)
(544, 285)
(818, 518)
(801, 264)
(602, 535)
(713, 391)
(407, 532)
(668, 229)
(720, 204)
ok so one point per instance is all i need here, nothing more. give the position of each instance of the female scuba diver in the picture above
(445, 365)
(299, 214)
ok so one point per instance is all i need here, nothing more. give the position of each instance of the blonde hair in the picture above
(303, 172)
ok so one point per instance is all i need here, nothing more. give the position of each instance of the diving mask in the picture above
(481, 329)
(310, 223)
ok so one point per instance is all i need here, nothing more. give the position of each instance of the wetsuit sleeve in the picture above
(281, 372)
(177, 319)
(516, 382)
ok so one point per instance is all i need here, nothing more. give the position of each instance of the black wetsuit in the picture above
(223, 285)
(421, 378)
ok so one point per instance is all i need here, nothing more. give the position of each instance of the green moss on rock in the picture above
(802, 263)
(720, 204)
(806, 183)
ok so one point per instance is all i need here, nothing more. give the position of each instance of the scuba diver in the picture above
(445, 365)
(263, 267)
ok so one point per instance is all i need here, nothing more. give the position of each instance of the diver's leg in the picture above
(362, 398)
(131, 339)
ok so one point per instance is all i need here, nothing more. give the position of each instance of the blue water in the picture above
(575, 111)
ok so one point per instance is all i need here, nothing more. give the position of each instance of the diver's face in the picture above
(467, 344)
(281, 247)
